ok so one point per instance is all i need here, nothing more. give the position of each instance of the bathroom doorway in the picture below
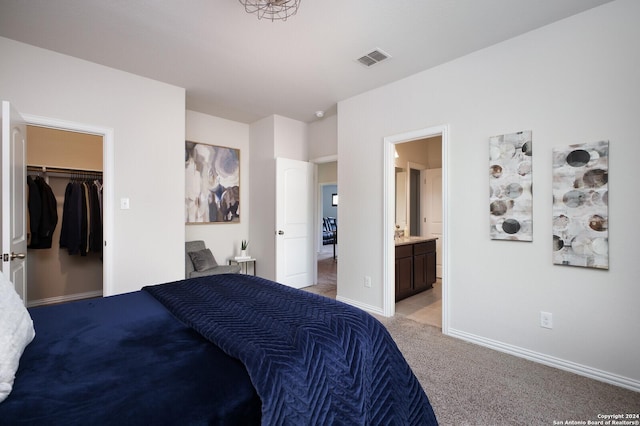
(426, 158)
(433, 158)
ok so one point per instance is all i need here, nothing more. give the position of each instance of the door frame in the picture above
(107, 178)
(388, 255)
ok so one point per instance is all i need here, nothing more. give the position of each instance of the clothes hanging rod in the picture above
(48, 169)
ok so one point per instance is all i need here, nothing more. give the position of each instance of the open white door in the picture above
(13, 194)
(294, 223)
(432, 211)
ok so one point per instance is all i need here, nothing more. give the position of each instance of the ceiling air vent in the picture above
(373, 57)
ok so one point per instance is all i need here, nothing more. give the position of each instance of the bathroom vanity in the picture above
(415, 265)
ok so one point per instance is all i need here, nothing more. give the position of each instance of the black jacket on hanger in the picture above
(95, 238)
(70, 233)
(34, 206)
(42, 234)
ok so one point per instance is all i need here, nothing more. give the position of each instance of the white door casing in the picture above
(13, 194)
(294, 224)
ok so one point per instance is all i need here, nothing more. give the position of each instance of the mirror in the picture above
(415, 200)
(408, 200)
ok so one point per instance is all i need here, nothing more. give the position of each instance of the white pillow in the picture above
(16, 332)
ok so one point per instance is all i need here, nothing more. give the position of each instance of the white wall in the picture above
(290, 138)
(223, 239)
(147, 120)
(323, 137)
(328, 209)
(271, 137)
(571, 82)
(328, 172)
(263, 194)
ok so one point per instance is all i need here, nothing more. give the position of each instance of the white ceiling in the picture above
(240, 68)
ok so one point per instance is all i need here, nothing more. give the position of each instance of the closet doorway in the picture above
(59, 159)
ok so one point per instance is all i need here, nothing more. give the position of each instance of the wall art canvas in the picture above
(510, 187)
(212, 184)
(581, 205)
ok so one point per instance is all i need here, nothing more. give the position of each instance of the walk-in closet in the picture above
(64, 175)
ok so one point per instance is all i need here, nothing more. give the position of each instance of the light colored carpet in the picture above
(468, 384)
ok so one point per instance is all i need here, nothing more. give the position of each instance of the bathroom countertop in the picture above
(412, 240)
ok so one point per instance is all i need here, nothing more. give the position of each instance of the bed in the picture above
(226, 349)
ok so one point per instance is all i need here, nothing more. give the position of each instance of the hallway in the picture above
(327, 273)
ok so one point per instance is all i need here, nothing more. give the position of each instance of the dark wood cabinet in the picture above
(404, 271)
(415, 268)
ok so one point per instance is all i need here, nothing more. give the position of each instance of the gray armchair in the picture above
(199, 261)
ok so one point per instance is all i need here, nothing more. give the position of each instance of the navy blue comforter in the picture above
(125, 360)
(312, 360)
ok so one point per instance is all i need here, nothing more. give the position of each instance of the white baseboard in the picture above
(65, 298)
(582, 370)
(363, 306)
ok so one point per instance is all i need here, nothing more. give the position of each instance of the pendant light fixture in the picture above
(271, 9)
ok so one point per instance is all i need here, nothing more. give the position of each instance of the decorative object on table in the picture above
(243, 250)
(212, 177)
(581, 205)
(510, 187)
(273, 10)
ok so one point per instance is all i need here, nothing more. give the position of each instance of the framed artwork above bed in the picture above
(212, 179)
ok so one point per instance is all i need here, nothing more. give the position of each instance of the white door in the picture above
(432, 211)
(294, 223)
(13, 192)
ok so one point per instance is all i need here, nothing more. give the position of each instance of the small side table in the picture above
(244, 264)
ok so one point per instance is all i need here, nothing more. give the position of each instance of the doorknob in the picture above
(17, 255)
(281, 232)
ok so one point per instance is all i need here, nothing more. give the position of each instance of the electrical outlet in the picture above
(546, 319)
(367, 281)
